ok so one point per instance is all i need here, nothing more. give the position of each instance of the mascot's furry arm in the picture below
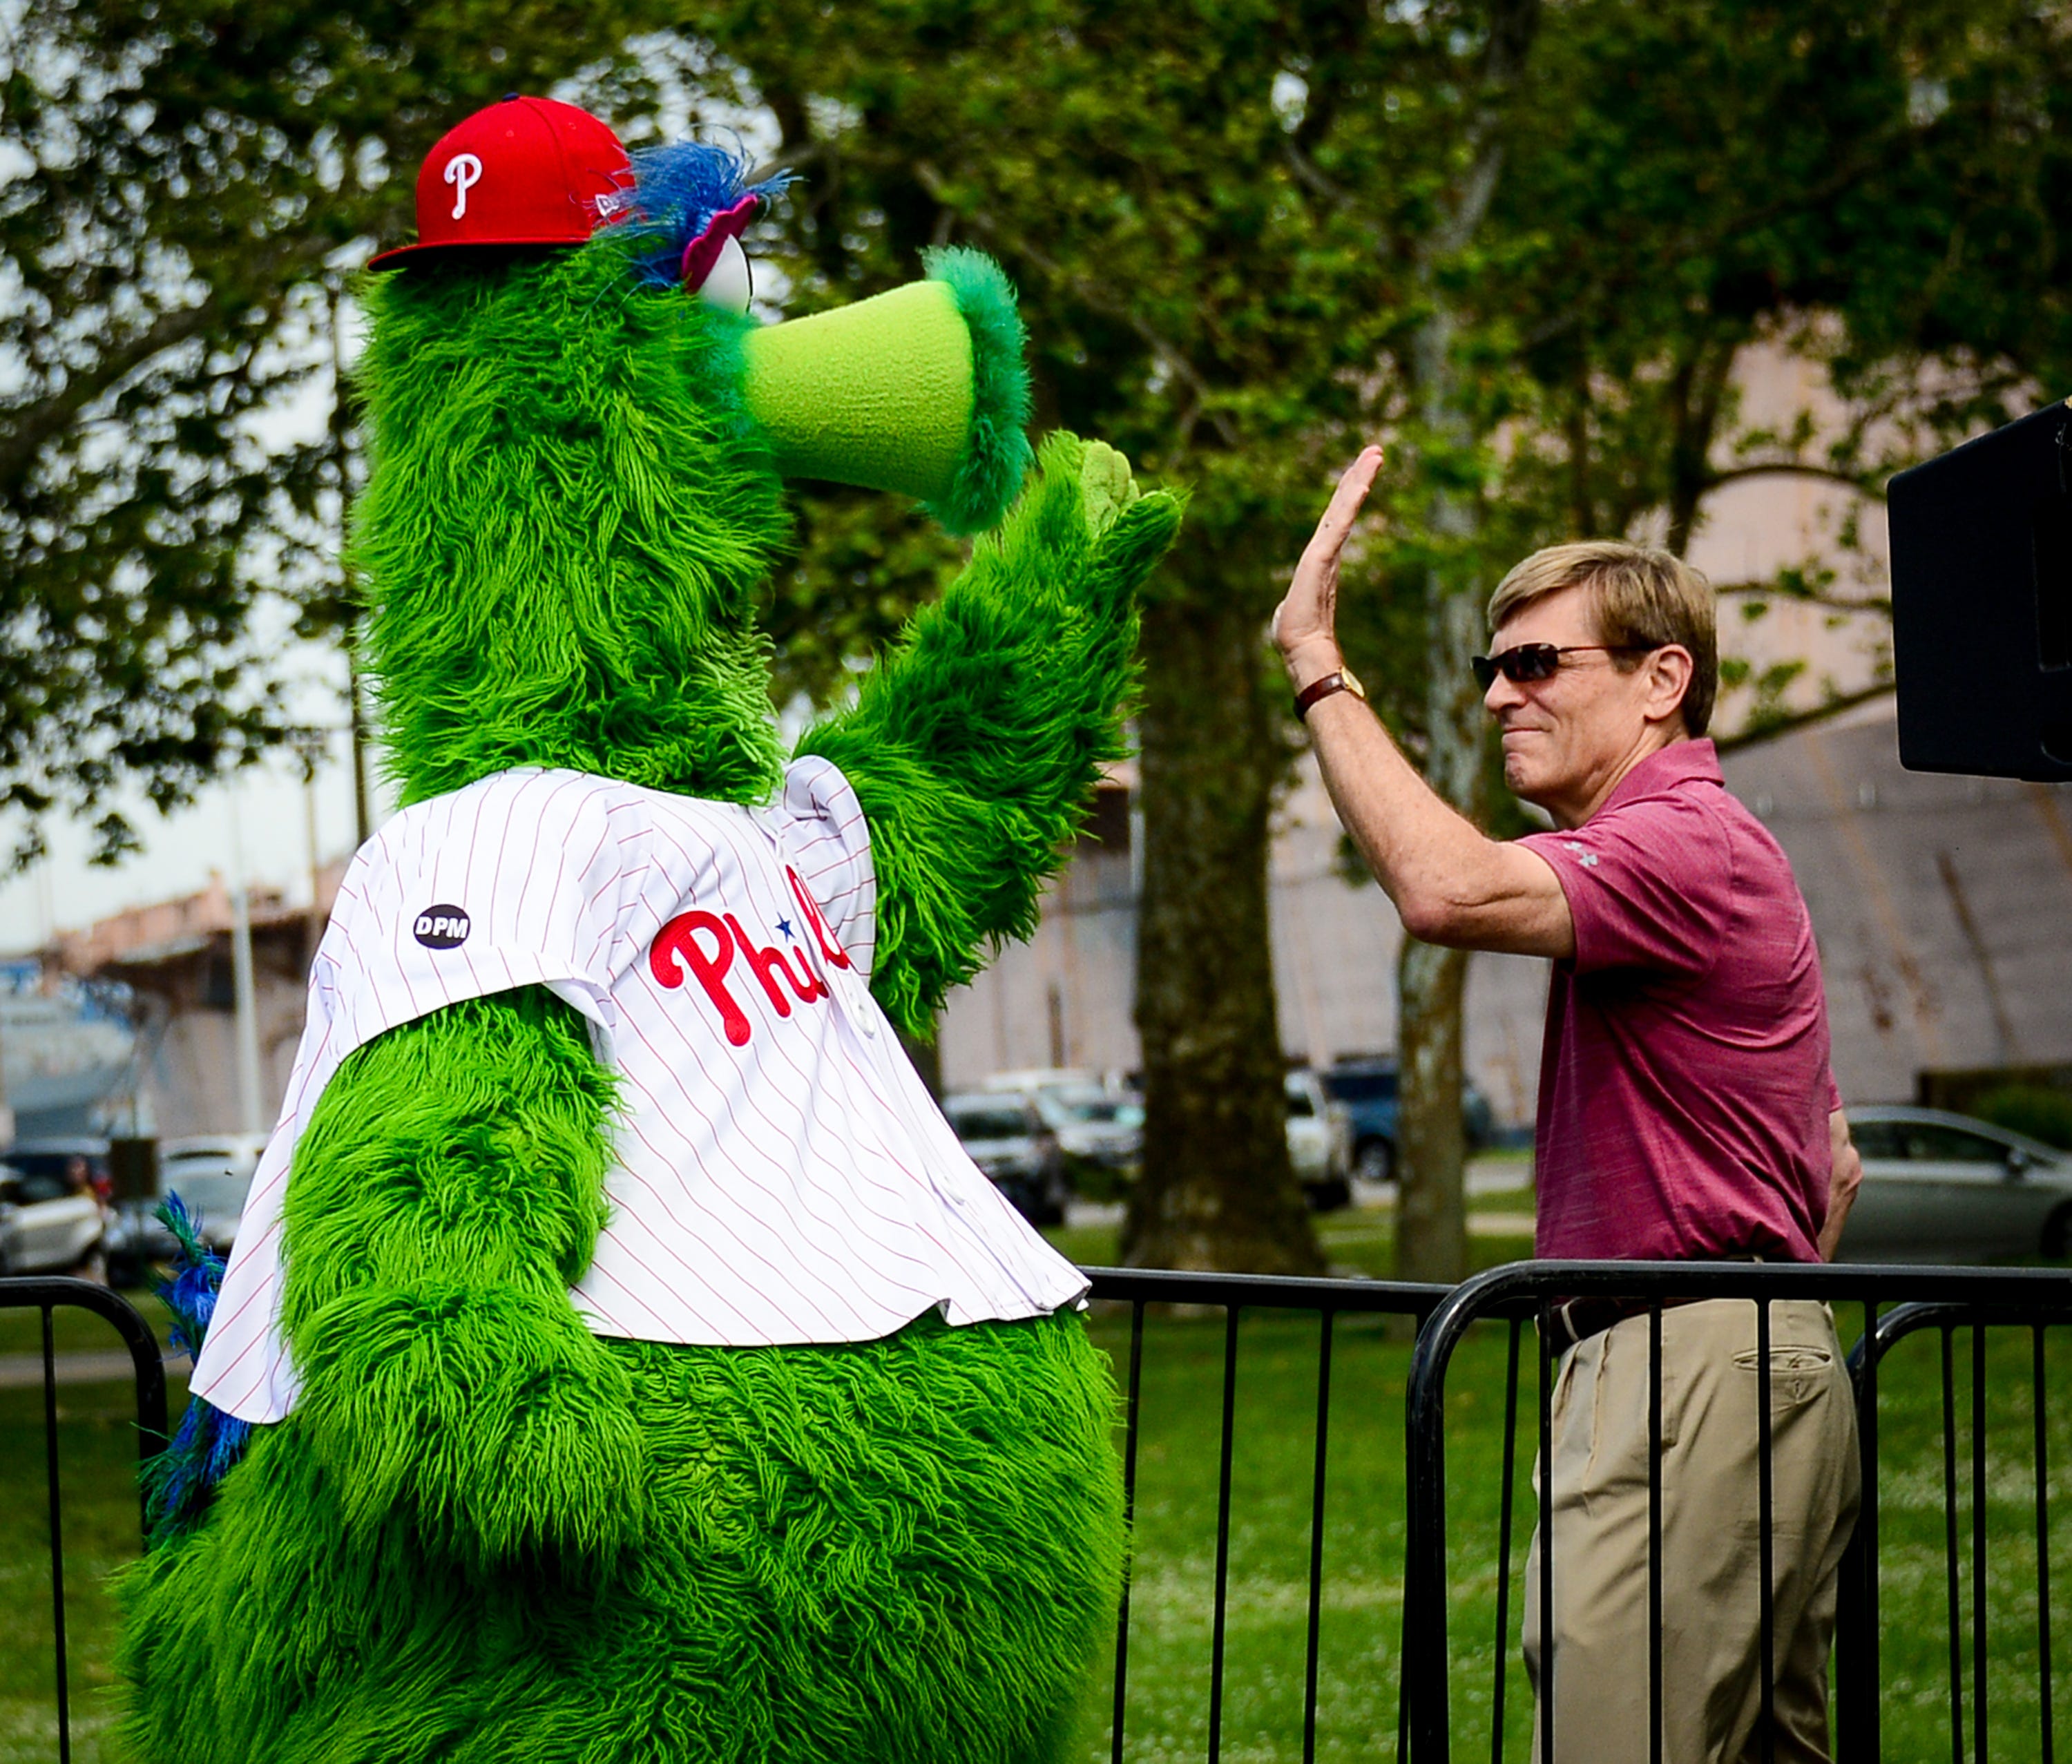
(974, 747)
(447, 1193)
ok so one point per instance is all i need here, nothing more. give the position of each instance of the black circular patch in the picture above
(441, 928)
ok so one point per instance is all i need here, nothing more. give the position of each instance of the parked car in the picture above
(48, 1224)
(54, 1158)
(1939, 1187)
(211, 1174)
(137, 1243)
(1368, 1087)
(1099, 1125)
(1006, 1137)
(1319, 1141)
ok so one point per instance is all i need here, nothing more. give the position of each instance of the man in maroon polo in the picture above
(1686, 1113)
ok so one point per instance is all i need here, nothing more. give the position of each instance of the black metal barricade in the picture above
(1233, 1294)
(1943, 1301)
(49, 1295)
(1530, 1293)
(1859, 1675)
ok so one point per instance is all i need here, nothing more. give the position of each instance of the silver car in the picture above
(1939, 1187)
(1007, 1139)
(1319, 1141)
(46, 1225)
(211, 1174)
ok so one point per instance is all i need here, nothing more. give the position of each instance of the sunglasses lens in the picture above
(1485, 671)
(1530, 661)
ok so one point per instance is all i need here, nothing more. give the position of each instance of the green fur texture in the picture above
(995, 456)
(485, 1535)
(975, 745)
(564, 530)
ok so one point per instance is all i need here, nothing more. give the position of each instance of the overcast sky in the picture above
(272, 813)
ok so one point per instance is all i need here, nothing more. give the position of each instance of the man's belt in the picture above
(1576, 1320)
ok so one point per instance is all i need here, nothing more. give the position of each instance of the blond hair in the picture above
(1639, 596)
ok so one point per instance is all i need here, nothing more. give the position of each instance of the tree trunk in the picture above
(1431, 1230)
(1217, 1190)
(1431, 1148)
(1431, 1214)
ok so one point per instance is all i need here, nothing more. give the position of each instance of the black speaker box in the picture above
(1982, 604)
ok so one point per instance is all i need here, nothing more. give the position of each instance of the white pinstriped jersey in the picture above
(780, 1174)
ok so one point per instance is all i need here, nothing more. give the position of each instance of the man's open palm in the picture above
(1309, 612)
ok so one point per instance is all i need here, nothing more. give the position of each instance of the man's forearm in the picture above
(1441, 871)
(1450, 884)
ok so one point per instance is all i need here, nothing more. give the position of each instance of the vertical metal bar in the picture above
(1950, 1552)
(1867, 1537)
(2042, 1545)
(1504, 1542)
(1654, 1531)
(1547, 1640)
(1979, 1751)
(1129, 1520)
(1404, 1645)
(1222, 1535)
(57, 1538)
(1765, 1513)
(1316, 1535)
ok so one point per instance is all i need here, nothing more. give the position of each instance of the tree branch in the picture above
(1791, 468)
(1769, 589)
(34, 426)
(27, 436)
(1089, 295)
(1770, 728)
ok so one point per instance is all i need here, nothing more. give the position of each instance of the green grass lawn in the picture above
(75, 1331)
(1174, 1576)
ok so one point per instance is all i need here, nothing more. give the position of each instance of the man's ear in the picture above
(1669, 672)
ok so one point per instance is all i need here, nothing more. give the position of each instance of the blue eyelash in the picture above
(676, 190)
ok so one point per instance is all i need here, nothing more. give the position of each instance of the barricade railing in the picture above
(1233, 1294)
(1944, 1301)
(50, 1294)
(1533, 1294)
(1858, 1674)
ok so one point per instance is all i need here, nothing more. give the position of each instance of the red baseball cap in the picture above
(528, 171)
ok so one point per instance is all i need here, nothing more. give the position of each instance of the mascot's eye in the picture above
(731, 283)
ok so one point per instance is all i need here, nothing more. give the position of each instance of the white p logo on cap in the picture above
(463, 172)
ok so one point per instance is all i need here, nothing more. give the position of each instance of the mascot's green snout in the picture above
(620, 1360)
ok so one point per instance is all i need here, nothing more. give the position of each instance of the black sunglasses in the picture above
(1526, 662)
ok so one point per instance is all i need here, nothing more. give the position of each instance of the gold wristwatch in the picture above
(1345, 679)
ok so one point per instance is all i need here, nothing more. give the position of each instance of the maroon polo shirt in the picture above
(1684, 1085)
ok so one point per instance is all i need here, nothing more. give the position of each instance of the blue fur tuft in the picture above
(208, 1444)
(677, 190)
(190, 1295)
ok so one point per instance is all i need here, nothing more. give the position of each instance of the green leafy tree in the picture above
(188, 185)
(1218, 216)
(1878, 189)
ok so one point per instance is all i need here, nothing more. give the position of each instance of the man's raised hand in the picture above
(1306, 622)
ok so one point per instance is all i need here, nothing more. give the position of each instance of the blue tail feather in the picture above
(208, 1443)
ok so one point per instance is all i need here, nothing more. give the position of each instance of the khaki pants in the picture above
(1710, 1534)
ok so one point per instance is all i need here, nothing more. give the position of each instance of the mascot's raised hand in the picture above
(620, 1359)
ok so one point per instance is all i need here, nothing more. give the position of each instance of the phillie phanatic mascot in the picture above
(620, 1358)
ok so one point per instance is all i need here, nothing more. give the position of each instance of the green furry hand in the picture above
(495, 1414)
(1106, 487)
(445, 1198)
(974, 748)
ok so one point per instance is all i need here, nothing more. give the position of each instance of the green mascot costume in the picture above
(620, 1360)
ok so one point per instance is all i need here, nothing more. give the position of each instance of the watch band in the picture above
(1345, 679)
